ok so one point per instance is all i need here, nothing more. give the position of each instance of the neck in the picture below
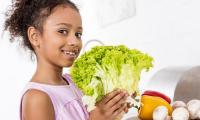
(48, 74)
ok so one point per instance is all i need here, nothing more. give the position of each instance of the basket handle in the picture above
(91, 41)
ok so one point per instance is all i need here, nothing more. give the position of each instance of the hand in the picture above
(112, 105)
(133, 95)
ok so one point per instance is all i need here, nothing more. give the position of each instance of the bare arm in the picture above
(37, 105)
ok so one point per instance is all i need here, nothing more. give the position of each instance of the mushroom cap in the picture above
(160, 113)
(178, 104)
(194, 108)
(180, 113)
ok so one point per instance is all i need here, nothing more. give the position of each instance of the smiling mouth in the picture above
(73, 54)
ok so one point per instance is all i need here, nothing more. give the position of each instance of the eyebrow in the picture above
(69, 25)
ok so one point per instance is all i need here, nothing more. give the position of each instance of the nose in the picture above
(72, 40)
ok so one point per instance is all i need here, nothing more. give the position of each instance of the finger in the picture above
(120, 97)
(118, 111)
(110, 95)
(118, 104)
(134, 95)
(126, 109)
(128, 105)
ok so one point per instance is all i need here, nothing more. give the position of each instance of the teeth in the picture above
(70, 53)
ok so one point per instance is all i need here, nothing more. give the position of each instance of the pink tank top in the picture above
(66, 100)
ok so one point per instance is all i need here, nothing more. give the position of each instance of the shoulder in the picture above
(36, 96)
(37, 105)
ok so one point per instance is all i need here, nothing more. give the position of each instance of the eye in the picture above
(78, 34)
(64, 32)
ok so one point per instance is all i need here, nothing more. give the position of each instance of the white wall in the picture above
(166, 29)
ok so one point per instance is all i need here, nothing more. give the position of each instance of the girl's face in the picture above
(60, 42)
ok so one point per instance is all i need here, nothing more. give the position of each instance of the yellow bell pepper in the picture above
(149, 103)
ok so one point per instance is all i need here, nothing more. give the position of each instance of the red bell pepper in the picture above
(158, 94)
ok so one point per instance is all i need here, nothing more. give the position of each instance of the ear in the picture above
(33, 36)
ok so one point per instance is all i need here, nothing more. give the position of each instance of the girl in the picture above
(52, 30)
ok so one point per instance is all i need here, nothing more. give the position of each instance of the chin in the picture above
(68, 64)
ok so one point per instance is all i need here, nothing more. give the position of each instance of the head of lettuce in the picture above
(105, 68)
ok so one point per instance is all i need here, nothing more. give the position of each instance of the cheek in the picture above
(52, 39)
(80, 44)
(51, 44)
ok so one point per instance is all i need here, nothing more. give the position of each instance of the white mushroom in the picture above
(178, 104)
(160, 113)
(180, 113)
(198, 115)
(194, 109)
(168, 118)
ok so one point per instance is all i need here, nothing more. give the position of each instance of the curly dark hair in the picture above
(26, 13)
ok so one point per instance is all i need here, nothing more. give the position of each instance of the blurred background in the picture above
(168, 30)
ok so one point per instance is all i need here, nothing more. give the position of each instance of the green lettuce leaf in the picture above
(105, 68)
